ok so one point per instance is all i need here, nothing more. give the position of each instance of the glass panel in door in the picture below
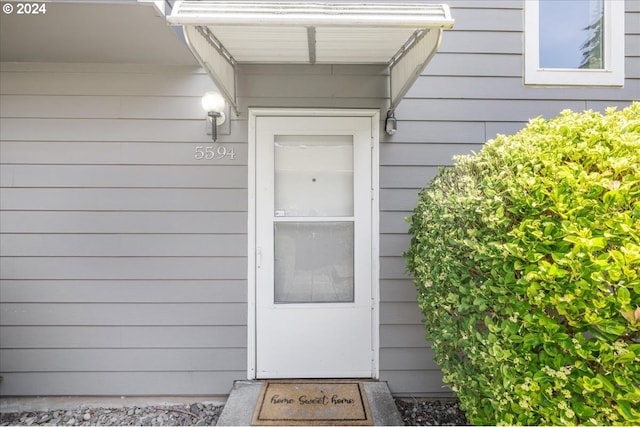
(313, 175)
(313, 262)
(313, 219)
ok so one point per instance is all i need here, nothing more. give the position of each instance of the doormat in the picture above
(315, 403)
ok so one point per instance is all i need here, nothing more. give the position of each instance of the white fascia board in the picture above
(246, 13)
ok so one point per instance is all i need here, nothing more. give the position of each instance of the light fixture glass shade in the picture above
(213, 102)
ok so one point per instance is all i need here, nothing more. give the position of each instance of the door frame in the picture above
(374, 115)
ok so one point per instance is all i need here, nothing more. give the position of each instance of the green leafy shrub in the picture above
(526, 257)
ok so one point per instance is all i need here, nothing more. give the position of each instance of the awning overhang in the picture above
(223, 34)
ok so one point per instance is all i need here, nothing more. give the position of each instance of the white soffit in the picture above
(224, 33)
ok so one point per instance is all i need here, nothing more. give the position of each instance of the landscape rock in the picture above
(178, 415)
(414, 412)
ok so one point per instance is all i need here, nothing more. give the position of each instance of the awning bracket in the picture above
(218, 62)
(408, 63)
(311, 40)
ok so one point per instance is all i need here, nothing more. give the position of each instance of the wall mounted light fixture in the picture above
(391, 124)
(214, 104)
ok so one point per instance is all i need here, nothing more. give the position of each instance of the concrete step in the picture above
(238, 411)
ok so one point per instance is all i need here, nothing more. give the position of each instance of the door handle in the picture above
(258, 257)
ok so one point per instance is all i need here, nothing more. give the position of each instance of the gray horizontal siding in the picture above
(398, 199)
(400, 313)
(484, 109)
(128, 245)
(103, 107)
(392, 267)
(122, 268)
(404, 176)
(633, 6)
(123, 257)
(403, 336)
(425, 131)
(408, 358)
(129, 199)
(633, 65)
(411, 382)
(317, 86)
(489, 20)
(394, 222)
(397, 290)
(123, 360)
(124, 314)
(511, 88)
(509, 42)
(312, 102)
(150, 222)
(123, 291)
(110, 337)
(393, 244)
(474, 64)
(122, 176)
(122, 383)
(104, 80)
(36, 151)
(423, 154)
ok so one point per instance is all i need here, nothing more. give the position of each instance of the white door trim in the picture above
(254, 113)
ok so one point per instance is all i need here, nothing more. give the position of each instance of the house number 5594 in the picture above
(210, 152)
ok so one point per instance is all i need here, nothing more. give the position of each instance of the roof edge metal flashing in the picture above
(309, 14)
(405, 36)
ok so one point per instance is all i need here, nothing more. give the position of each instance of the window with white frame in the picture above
(574, 42)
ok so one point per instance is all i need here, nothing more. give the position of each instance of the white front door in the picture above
(314, 297)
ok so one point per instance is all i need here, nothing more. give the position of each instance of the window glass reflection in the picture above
(571, 34)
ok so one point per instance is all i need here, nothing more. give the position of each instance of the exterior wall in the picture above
(124, 258)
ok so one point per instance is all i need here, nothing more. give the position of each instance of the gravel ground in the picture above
(413, 412)
(195, 414)
(431, 413)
